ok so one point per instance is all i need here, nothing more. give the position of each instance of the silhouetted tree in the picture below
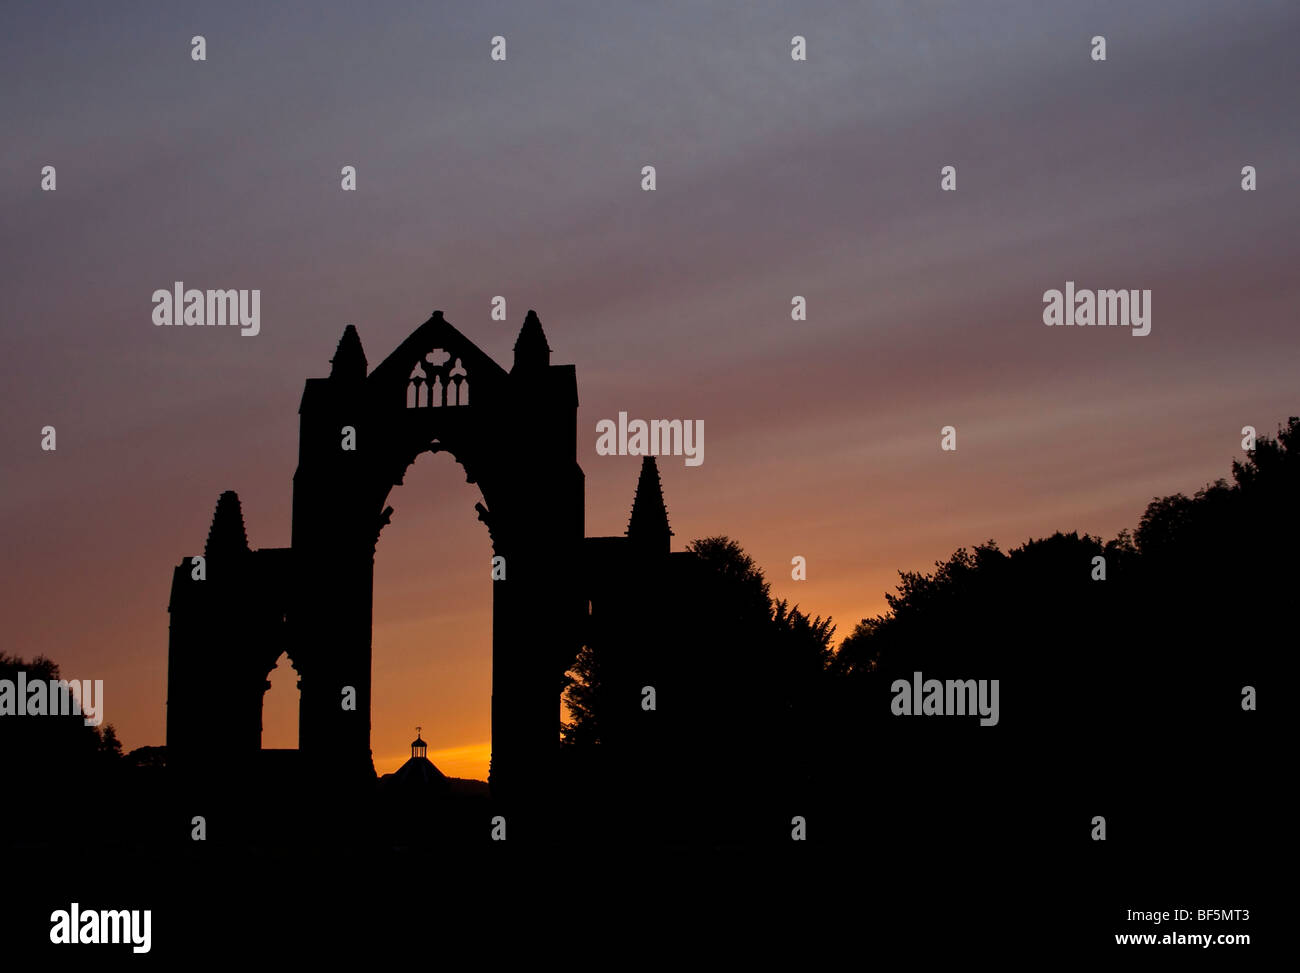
(1170, 636)
(53, 765)
(43, 740)
(745, 674)
(582, 696)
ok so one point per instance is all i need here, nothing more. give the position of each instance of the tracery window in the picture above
(433, 385)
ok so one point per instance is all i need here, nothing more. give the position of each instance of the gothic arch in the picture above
(360, 430)
(516, 441)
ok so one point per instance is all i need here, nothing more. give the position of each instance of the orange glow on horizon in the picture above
(469, 761)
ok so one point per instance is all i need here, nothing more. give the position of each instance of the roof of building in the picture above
(419, 772)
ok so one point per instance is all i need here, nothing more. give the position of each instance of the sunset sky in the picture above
(522, 178)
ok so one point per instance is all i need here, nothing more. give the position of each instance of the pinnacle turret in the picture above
(648, 526)
(349, 361)
(226, 536)
(531, 349)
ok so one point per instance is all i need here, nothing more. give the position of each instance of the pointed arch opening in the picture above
(432, 623)
(280, 703)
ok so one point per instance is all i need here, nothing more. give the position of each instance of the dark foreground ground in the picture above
(936, 870)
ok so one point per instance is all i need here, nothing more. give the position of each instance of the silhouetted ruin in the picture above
(236, 610)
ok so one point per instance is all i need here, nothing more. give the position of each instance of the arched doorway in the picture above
(515, 437)
(432, 632)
